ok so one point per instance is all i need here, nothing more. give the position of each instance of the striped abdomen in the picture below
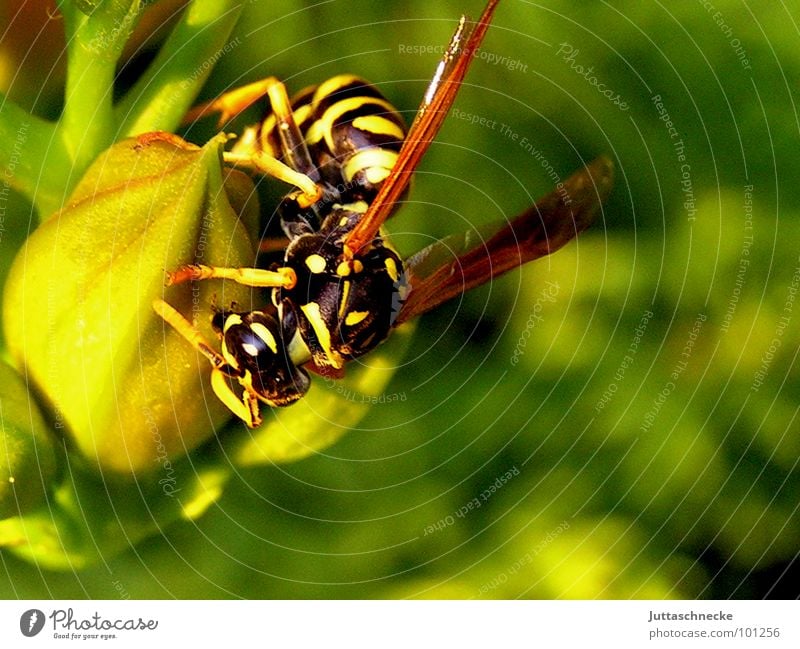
(352, 133)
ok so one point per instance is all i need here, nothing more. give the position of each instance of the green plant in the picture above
(127, 403)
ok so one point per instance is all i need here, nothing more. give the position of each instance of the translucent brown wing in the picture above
(459, 263)
(435, 105)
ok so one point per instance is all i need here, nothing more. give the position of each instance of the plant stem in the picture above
(160, 99)
(94, 44)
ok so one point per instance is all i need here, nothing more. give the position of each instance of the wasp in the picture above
(341, 288)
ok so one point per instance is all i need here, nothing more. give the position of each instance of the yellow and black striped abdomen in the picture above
(352, 133)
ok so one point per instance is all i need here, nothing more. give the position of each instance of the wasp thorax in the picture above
(344, 307)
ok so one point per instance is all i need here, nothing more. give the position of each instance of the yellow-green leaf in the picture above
(128, 391)
(27, 454)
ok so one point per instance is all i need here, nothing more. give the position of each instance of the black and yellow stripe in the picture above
(352, 132)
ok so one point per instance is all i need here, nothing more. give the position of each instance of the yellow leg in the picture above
(293, 144)
(185, 329)
(281, 278)
(247, 143)
(245, 408)
(250, 400)
(264, 163)
(232, 103)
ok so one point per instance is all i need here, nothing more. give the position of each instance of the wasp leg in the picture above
(293, 144)
(244, 407)
(250, 401)
(249, 153)
(282, 278)
(264, 163)
(233, 102)
(192, 335)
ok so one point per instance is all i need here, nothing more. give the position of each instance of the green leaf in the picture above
(128, 390)
(86, 6)
(92, 518)
(94, 45)
(30, 144)
(162, 96)
(27, 448)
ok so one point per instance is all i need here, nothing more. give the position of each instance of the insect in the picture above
(341, 288)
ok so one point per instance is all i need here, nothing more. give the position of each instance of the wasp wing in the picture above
(459, 263)
(433, 110)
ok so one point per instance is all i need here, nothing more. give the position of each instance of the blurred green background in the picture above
(609, 422)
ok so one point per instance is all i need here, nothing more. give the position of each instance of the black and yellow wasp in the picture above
(341, 288)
